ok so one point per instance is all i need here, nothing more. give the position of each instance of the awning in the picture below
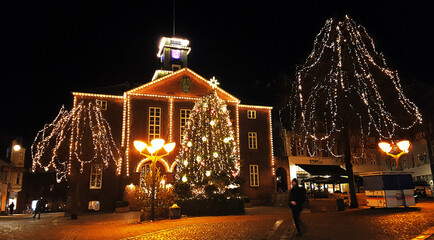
(332, 170)
(330, 180)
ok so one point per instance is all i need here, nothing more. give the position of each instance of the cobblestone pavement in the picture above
(258, 223)
(366, 223)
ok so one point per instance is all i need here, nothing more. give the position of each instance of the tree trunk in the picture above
(349, 167)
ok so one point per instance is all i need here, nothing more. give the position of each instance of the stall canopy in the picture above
(321, 170)
(330, 180)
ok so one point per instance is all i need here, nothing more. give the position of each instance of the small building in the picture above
(11, 176)
(161, 109)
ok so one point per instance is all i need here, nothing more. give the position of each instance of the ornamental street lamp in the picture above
(153, 149)
(403, 146)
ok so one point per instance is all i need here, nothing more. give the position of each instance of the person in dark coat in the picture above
(296, 200)
(38, 209)
(11, 208)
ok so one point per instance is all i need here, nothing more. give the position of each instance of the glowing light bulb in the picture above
(385, 147)
(184, 178)
(189, 144)
(404, 145)
(215, 154)
(208, 173)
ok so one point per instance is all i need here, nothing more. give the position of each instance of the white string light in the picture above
(70, 132)
(341, 78)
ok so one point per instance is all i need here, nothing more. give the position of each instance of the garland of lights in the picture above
(64, 140)
(343, 76)
(208, 149)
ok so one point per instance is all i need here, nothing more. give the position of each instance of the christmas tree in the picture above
(345, 89)
(208, 153)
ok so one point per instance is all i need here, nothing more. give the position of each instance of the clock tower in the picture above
(173, 53)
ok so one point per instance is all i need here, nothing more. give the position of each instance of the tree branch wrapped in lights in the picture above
(343, 89)
(80, 136)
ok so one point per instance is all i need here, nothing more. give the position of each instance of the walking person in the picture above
(38, 208)
(296, 200)
(11, 208)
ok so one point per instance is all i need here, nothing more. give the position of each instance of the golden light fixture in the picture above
(156, 145)
(403, 146)
(139, 145)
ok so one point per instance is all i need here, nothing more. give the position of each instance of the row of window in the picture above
(96, 175)
(155, 125)
(102, 104)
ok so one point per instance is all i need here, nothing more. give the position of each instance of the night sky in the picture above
(50, 48)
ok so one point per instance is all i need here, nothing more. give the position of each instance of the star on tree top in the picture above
(213, 82)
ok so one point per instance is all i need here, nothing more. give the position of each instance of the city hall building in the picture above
(160, 108)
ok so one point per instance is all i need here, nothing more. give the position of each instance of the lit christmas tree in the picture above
(75, 138)
(208, 154)
(345, 89)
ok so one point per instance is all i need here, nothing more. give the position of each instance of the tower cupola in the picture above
(173, 53)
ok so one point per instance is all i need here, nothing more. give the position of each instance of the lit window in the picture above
(154, 123)
(145, 170)
(253, 140)
(185, 115)
(96, 176)
(251, 114)
(254, 175)
(101, 104)
(18, 178)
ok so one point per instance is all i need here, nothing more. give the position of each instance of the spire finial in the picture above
(173, 18)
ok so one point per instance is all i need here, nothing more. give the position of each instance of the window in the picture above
(96, 176)
(432, 148)
(300, 150)
(154, 123)
(18, 178)
(176, 67)
(253, 140)
(145, 170)
(254, 175)
(101, 104)
(185, 115)
(251, 114)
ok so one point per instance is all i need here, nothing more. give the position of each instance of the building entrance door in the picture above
(281, 180)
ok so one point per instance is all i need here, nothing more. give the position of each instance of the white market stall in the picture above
(388, 189)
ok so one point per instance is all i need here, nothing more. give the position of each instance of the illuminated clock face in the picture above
(176, 54)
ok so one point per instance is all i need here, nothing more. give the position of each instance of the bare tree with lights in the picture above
(75, 138)
(345, 89)
(208, 153)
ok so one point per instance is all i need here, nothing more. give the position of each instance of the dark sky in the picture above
(50, 48)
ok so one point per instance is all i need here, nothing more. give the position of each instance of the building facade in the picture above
(160, 109)
(11, 177)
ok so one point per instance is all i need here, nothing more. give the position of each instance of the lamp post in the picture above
(403, 146)
(153, 149)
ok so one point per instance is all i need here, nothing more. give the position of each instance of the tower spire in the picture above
(173, 35)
